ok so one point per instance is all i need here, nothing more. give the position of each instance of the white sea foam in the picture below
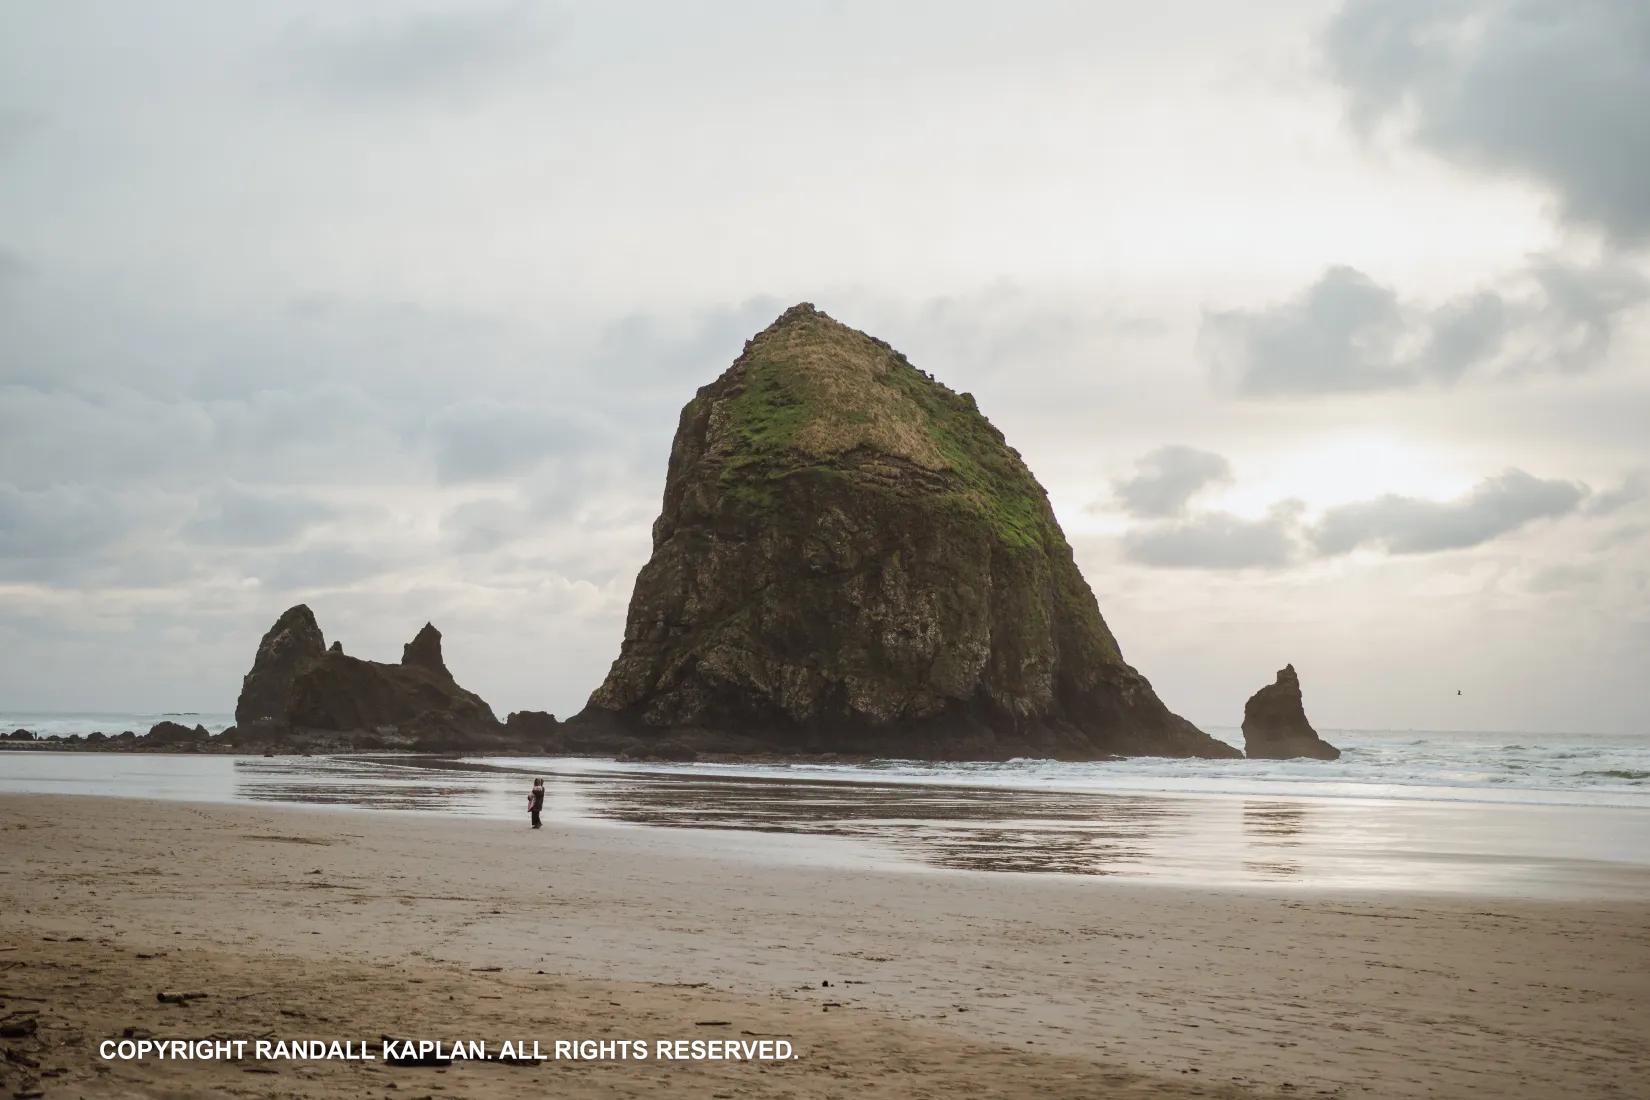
(1558, 769)
(80, 723)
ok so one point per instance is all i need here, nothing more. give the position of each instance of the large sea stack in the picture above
(851, 559)
(1275, 725)
(298, 687)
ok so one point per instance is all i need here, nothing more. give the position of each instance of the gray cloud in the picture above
(653, 351)
(1549, 90)
(1219, 540)
(1165, 479)
(232, 433)
(452, 53)
(59, 520)
(1347, 333)
(479, 526)
(1338, 335)
(62, 430)
(1462, 333)
(1407, 525)
(81, 534)
(15, 127)
(1393, 524)
(1633, 488)
(234, 516)
(1624, 535)
(1565, 576)
(321, 566)
(487, 439)
(1573, 322)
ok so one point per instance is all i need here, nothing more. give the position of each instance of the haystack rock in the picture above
(851, 559)
(297, 684)
(1275, 725)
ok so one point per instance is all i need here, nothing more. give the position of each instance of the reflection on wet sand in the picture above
(1278, 823)
(963, 828)
(1270, 826)
(366, 783)
(870, 817)
(980, 830)
(1168, 837)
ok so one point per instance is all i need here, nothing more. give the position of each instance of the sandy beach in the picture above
(350, 925)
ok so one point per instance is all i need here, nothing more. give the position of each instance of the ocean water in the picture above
(1409, 765)
(1405, 765)
(71, 723)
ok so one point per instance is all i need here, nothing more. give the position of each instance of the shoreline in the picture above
(115, 746)
(1352, 994)
(484, 761)
(1298, 842)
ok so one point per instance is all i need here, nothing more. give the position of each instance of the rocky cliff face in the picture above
(1275, 725)
(851, 559)
(297, 684)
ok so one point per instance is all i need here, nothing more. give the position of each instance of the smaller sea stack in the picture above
(1275, 725)
(299, 686)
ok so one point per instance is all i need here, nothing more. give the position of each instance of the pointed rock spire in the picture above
(424, 651)
(1275, 725)
(294, 640)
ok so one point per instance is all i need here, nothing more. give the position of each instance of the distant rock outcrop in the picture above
(298, 685)
(1275, 725)
(852, 559)
(175, 733)
(533, 723)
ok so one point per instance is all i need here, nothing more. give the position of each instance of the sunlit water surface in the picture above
(1228, 824)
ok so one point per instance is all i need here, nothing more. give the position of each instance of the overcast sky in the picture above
(1326, 326)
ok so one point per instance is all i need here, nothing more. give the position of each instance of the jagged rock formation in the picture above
(851, 559)
(1275, 725)
(297, 684)
(424, 651)
(294, 641)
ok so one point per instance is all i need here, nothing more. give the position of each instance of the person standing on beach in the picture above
(535, 802)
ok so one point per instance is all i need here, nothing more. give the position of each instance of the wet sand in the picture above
(1488, 849)
(330, 924)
